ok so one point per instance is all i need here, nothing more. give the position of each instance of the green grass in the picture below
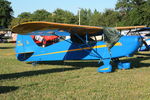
(72, 80)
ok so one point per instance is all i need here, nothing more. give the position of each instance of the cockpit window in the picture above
(77, 39)
(45, 41)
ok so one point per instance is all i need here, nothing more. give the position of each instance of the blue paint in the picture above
(25, 43)
(74, 51)
(130, 44)
(123, 65)
(106, 67)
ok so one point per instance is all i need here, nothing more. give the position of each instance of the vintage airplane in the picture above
(145, 34)
(85, 43)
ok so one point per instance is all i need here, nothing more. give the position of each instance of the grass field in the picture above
(72, 80)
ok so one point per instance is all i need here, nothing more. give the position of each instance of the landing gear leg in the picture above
(106, 68)
(124, 65)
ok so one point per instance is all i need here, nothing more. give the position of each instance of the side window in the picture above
(45, 41)
(76, 39)
(97, 38)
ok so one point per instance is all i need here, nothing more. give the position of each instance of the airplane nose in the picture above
(131, 44)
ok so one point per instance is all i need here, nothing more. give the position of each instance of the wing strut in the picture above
(144, 42)
(86, 43)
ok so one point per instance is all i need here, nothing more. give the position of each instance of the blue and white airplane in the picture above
(85, 43)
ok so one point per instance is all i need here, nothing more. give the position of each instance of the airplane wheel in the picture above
(105, 69)
(123, 65)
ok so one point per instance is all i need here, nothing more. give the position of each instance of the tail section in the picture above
(25, 44)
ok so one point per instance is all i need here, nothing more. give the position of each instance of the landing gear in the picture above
(121, 65)
(106, 68)
(124, 65)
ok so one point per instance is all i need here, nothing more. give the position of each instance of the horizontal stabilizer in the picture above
(25, 44)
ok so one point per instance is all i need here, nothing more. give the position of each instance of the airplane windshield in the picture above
(111, 36)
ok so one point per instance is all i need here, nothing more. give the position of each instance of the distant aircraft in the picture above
(145, 34)
(85, 43)
(5, 35)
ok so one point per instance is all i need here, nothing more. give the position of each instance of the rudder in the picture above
(25, 44)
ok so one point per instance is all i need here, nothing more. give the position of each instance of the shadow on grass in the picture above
(142, 54)
(6, 89)
(6, 47)
(75, 66)
(137, 62)
(73, 63)
(34, 73)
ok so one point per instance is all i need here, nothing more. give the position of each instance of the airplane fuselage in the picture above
(66, 50)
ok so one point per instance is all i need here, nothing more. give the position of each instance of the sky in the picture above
(73, 6)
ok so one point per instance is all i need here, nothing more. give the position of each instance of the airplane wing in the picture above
(143, 29)
(129, 27)
(40, 26)
(60, 29)
(28, 27)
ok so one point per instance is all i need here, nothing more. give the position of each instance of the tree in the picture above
(96, 18)
(5, 13)
(62, 16)
(40, 15)
(25, 15)
(110, 18)
(134, 12)
(85, 16)
(17, 21)
(145, 13)
(127, 13)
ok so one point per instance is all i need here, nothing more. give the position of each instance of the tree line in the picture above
(126, 13)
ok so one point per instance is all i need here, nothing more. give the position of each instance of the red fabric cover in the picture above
(46, 39)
